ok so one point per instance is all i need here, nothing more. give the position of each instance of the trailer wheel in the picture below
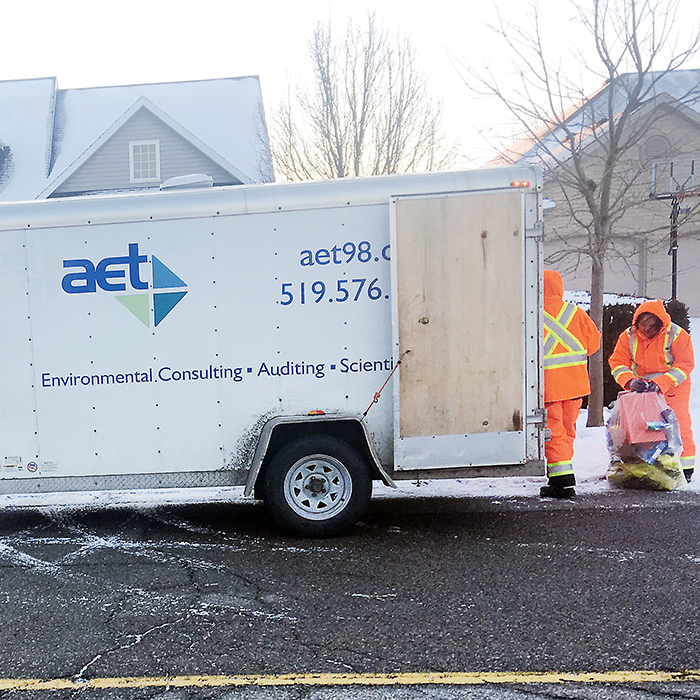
(317, 486)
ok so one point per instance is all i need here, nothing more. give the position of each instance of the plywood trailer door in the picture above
(458, 316)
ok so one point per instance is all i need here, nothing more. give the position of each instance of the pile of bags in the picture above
(644, 442)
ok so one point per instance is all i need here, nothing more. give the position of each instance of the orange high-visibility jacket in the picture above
(570, 336)
(667, 358)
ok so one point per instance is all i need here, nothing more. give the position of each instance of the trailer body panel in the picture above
(150, 339)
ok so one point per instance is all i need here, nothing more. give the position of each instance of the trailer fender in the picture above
(280, 430)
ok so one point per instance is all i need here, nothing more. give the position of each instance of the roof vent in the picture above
(183, 182)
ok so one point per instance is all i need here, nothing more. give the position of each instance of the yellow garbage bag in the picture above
(665, 474)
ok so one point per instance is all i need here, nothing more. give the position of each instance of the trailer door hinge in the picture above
(537, 418)
(536, 231)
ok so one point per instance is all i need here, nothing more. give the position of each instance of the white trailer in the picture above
(238, 335)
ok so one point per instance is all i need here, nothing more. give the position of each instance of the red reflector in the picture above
(520, 183)
(317, 413)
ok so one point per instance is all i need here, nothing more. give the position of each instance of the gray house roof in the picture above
(592, 113)
(50, 133)
(26, 125)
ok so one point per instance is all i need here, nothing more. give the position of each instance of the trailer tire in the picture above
(317, 486)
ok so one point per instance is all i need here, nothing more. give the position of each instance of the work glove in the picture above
(652, 386)
(639, 385)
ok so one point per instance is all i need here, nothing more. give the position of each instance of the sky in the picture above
(84, 43)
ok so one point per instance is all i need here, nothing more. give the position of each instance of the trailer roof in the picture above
(220, 201)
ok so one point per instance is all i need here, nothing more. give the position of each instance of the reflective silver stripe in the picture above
(672, 332)
(688, 462)
(558, 334)
(633, 348)
(551, 341)
(559, 469)
(565, 359)
(566, 313)
(555, 327)
(619, 371)
(678, 375)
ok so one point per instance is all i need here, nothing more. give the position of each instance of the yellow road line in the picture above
(331, 679)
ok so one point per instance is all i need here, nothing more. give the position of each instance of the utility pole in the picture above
(680, 176)
(673, 244)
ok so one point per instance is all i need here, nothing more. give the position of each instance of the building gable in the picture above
(664, 158)
(49, 135)
(110, 166)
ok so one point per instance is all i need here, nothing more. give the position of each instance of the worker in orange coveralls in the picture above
(570, 336)
(654, 354)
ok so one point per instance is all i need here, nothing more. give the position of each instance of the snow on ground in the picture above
(590, 466)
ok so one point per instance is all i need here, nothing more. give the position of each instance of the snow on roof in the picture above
(26, 124)
(221, 115)
(593, 112)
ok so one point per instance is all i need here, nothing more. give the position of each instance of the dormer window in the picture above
(144, 160)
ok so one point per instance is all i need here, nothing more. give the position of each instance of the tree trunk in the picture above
(597, 361)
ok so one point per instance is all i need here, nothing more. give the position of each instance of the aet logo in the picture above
(110, 275)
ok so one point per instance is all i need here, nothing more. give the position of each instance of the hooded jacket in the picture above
(667, 358)
(570, 336)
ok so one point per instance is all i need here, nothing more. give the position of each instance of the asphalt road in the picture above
(608, 583)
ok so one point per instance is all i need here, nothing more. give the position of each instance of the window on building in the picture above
(656, 147)
(144, 157)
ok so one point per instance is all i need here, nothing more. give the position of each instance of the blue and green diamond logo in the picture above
(152, 307)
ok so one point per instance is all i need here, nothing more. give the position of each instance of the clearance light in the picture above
(317, 413)
(520, 183)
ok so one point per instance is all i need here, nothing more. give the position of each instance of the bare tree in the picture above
(584, 143)
(368, 111)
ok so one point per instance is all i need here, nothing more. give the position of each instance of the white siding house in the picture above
(58, 143)
(664, 132)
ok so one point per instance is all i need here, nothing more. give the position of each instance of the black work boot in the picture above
(559, 487)
(688, 473)
(557, 492)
